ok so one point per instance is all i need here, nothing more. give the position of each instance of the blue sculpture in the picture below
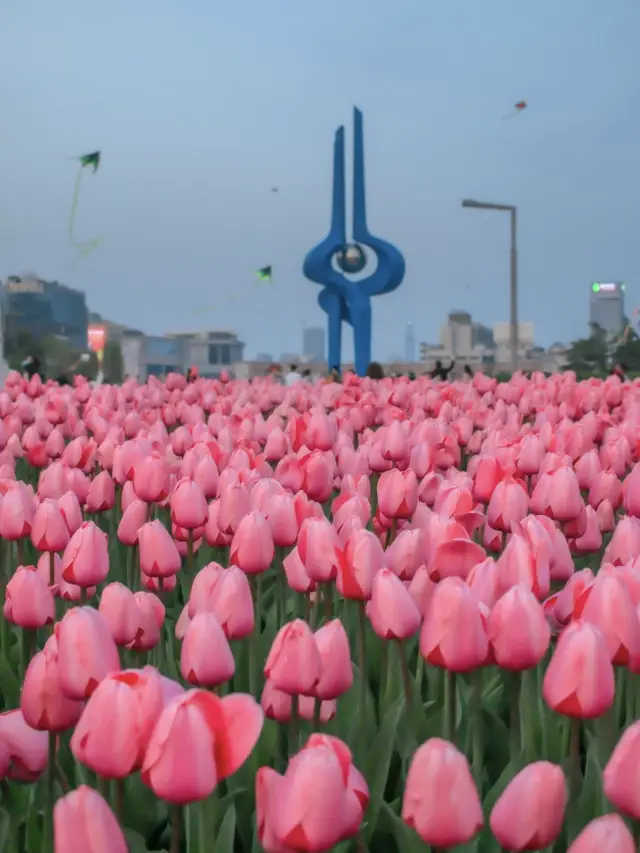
(345, 299)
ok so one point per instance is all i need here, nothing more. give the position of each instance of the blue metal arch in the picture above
(342, 299)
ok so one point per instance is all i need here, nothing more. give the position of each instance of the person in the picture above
(440, 372)
(306, 375)
(375, 371)
(620, 370)
(31, 366)
(292, 376)
(468, 372)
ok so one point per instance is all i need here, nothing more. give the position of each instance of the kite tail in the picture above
(90, 245)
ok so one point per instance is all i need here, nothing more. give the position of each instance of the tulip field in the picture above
(381, 616)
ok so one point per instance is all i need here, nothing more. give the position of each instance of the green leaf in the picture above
(227, 832)
(135, 841)
(406, 839)
(380, 761)
(9, 684)
(487, 843)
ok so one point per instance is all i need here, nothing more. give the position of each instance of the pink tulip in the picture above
(82, 820)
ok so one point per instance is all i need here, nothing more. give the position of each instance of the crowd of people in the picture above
(32, 366)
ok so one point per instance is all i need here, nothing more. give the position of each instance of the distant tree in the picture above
(113, 366)
(589, 356)
(627, 351)
(19, 345)
(59, 356)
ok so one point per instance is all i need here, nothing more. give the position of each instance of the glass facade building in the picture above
(606, 306)
(43, 308)
(162, 355)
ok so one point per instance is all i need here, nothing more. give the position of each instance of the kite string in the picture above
(74, 207)
(87, 246)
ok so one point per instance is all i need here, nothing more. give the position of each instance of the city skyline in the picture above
(183, 201)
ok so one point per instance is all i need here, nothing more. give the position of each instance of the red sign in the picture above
(97, 338)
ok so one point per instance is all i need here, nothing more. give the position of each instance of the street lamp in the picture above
(513, 279)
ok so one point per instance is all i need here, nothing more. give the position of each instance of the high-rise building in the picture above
(482, 335)
(456, 337)
(41, 308)
(410, 344)
(313, 344)
(606, 306)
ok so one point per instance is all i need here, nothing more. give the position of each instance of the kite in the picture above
(518, 108)
(86, 161)
(265, 274)
(274, 189)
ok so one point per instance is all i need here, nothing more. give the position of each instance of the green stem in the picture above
(384, 676)
(574, 758)
(315, 613)
(478, 733)
(119, 798)
(514, 723)
(131, 568)
(294, 725)
(52, 568)
(254, 639)
(281, 586)
(103, 787)
(14, 819)
(176, 829)
(450, 706)
(406, 676)
(50, 794)
(28, 639)
(190, 553)
(317, 708)
(160, 646)
(362, 664)
(328, 602)
(391, 532)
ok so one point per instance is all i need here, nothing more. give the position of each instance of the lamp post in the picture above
(513, 274)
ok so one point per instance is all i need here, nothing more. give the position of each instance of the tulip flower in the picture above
(29, 601)
(294, 664)
(398, 493)
(335, 656)
(441, 802)
(620, 777)
(199, 740)
(579, 681)
(49, 531)
(86, 652)
(85, 561)
(159, 555)
(43, 703)
(82, 820)
(136, 697)
(25, 748)
(518, 630)
(252, 547)
(529, 813)
(206, 659)
(603, 834)
(188, 505)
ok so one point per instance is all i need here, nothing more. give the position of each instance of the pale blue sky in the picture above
(201, 106)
